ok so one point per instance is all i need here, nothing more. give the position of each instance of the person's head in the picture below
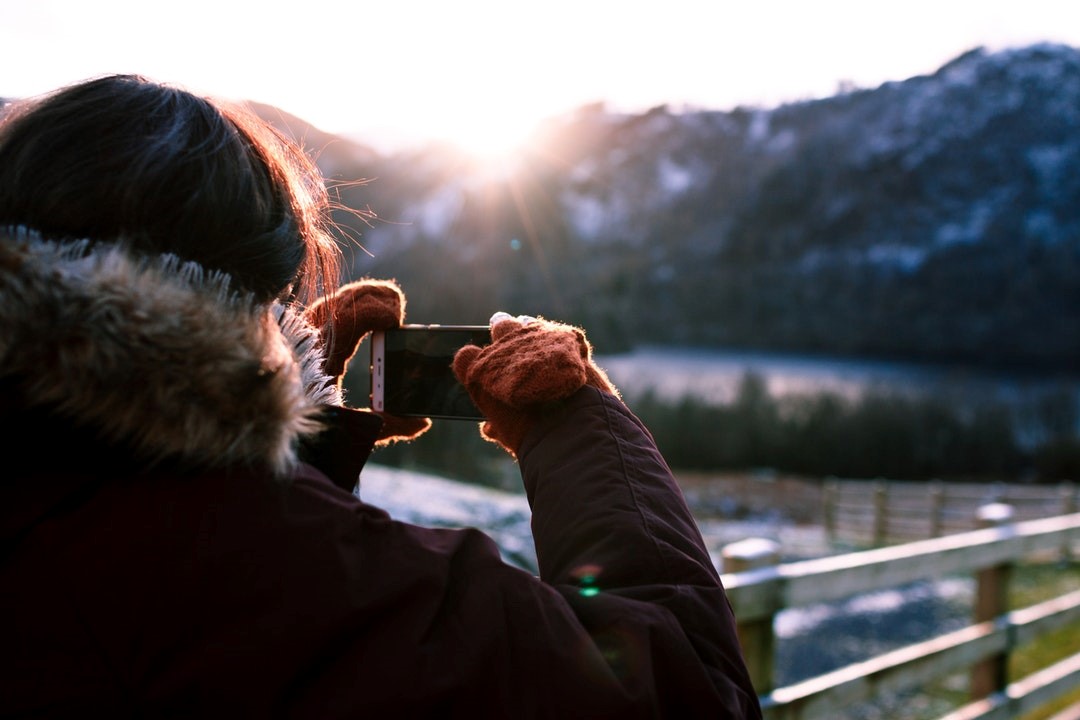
(122, 158)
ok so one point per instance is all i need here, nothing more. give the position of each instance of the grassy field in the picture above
(1030, 585)
(1036, 583)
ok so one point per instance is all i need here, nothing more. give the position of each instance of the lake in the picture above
(714, 376)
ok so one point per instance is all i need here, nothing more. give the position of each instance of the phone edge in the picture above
(377, 393)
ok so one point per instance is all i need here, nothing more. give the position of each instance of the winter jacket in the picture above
(180, 535)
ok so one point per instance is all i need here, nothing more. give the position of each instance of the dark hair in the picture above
(122, 158)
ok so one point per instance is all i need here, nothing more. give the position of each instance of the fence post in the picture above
(937, 508)
(830, 497)
(1068, 497)
(1068, 506)
(756, 637)
(991, 601)
(881, 513)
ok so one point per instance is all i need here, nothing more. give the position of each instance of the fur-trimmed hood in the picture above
(156, 355)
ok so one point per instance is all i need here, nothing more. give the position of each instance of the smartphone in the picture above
(411, 373)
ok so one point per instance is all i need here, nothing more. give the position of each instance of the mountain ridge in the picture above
(934, 218)
(928, 219)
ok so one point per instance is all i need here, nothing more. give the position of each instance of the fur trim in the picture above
(158, 354)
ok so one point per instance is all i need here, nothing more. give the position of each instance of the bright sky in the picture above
(483, 72)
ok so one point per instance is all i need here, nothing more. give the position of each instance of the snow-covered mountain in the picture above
(935, 217)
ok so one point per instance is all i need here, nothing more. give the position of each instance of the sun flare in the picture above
(489, 138)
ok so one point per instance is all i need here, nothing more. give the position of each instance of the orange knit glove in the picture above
(530, 366)
(358, 308)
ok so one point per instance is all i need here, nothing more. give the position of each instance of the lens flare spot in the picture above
(587, 577)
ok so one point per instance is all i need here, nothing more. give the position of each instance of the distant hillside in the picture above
(934, 218)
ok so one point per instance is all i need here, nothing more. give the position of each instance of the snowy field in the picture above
(433, 501)
(714, 375)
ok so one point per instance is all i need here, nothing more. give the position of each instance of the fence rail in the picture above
(759, 588)
(880, 512)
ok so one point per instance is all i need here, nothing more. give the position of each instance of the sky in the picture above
(482, 73)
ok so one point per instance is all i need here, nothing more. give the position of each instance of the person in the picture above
(182, 534)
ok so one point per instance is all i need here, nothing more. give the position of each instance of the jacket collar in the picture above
(159, 356)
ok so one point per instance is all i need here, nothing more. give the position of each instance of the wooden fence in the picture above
(759, 588)
(876, 513)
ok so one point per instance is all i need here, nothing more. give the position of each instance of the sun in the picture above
(491, 137)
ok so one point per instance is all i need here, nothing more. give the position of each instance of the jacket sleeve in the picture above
(615, 538)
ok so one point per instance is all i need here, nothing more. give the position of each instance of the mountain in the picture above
(935, 218)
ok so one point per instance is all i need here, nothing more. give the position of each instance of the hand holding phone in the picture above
(530, 367)
(411, 371)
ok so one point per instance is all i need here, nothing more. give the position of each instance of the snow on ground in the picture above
(433, 501)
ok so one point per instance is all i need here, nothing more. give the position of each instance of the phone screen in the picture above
(411, 373)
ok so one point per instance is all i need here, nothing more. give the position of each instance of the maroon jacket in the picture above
(143, 584)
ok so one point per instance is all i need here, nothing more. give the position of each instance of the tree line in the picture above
(880, 434)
